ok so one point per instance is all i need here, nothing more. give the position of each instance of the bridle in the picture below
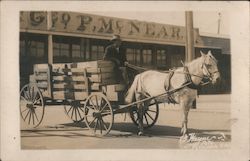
(207, 74)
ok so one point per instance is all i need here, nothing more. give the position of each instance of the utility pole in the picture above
(50, 40)
(50, 54)
(219, 21)
(189, 55)
(189, 36)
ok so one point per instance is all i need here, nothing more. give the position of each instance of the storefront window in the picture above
(161, 59)
(97, 52)
(133, 56)
(76, 51)
(147, 57)
(61, 52)
(36, 49)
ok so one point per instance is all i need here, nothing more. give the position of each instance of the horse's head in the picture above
(210, 68)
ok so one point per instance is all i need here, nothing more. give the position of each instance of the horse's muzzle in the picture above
(216, 78)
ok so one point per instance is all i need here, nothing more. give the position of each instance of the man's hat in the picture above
(116, 37)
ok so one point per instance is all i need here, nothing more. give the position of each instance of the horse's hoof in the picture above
(140, 133)
(184, 137)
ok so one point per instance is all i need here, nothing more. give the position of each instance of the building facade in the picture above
(79, 37)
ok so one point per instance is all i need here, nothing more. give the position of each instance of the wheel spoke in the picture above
(101, 102)
(23, 98)
(30, 115)
(37, 100)
(96, 125)
(26, 115)
(72, 112)
(146, 119)
(75, 113)
(93, 104)
(81, 109)
(97, 102)
(29, 93)
(69, 110)
(89, 107)
(104, 106)
(105, 113)
(104, 124)
(32, 93)
(92, 121)
(36, 117)
(100, 125)
(26, 95)
(33, 119)
(151, 110)
(24, 110)
(149, 116)
(35, 96)
(79, 113)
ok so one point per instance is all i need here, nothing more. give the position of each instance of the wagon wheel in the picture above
(150, 114)
(31, 105)
(74, 110)
(99, 115)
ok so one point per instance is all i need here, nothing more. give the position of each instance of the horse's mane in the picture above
(192, 63)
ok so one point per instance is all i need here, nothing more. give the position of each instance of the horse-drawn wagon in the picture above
(90, 91)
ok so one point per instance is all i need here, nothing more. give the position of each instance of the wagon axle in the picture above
(97, 114)
(31, 106)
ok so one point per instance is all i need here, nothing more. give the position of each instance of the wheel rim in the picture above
(31, 105)
(99, 116)
(74, 110)
(150, 114)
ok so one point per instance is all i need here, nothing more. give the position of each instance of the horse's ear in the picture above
(209, 52)
(202, 54)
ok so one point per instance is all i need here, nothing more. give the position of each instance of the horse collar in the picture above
(189, 79)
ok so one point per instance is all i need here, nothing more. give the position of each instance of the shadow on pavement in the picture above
(164, 131)
(119, 130)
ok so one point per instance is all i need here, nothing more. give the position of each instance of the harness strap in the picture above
(187, 75)
(167, 85)
(167, 82)
(189, 79)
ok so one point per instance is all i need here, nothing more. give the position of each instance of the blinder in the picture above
(207, 73)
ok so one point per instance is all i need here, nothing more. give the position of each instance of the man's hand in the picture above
(126, 63)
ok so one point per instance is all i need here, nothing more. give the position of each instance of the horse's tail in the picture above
(130, 95)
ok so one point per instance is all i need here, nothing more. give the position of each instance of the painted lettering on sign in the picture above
(84, 21)
(71, 22)
(36, 18)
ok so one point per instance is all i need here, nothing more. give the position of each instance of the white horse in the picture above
(153, 83)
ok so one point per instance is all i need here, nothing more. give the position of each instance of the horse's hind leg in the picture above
(140, 119)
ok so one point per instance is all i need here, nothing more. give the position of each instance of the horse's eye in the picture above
(209, 65)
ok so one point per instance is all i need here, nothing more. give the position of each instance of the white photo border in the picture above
(10, 130)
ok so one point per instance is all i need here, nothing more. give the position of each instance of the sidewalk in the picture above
(207, 103)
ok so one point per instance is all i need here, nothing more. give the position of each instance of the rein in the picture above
(165, 71)
(186, 72)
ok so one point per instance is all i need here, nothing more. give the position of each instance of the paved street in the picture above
(211, 120)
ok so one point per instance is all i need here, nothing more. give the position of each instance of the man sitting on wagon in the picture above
(116, 53)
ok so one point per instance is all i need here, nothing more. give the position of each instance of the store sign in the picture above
(104, 26)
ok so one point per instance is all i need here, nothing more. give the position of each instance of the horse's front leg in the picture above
(185, 106)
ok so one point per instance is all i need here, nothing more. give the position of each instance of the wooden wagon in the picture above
(89, 92)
